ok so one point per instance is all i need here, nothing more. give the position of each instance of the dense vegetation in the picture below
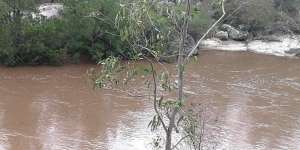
(28, 40)
(264, 16)
(92, 28)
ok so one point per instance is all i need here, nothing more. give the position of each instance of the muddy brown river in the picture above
(256, 99)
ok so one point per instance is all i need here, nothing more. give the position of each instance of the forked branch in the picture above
(207, 32)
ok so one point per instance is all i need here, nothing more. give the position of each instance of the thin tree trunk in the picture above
(180, 72)
(169, 138)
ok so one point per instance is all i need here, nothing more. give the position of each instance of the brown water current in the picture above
(256, 99)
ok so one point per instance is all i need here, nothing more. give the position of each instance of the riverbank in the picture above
(278, 45)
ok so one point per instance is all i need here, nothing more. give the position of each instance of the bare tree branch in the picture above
(155, 98)
(179, 141)
(207, 32)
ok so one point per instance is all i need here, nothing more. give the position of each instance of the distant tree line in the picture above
(88, 27)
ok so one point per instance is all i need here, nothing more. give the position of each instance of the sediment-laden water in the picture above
(255, 98)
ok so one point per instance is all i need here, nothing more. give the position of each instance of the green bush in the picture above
(90, 30)
(27, 40)
(255, 14)
(38, 43)
(43, 43)
(199, 24)
(85, 28)
(94, 28)
(262, 15)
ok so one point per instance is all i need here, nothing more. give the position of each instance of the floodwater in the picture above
(255, 98)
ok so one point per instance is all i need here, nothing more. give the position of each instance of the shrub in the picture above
(27, 40)
(85, 28)
(200, 22)
(262, 15)
(40, 43)
(90, 29)
(43, 43)
(250, 13)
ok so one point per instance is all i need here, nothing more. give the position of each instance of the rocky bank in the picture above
(232, 39)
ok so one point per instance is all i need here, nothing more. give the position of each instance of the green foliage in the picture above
(115, 73)
(79, 28)
(33, 43)
(95, 28)
(127, 29)
(43, 43)
(90, 28)
(250, 13)
(145, 30)
(200, 22)
(3, 11)
(111, 68)
(154, 123)
(85, 28)
(27, 40)
(261, 15)
(165, 81)
(288, 6)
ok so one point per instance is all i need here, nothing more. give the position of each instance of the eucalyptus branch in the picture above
(180, 141)
(155, 98)
(150, 51)
(155, 56)
(207, 32)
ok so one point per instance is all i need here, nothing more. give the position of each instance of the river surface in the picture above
(256, 99)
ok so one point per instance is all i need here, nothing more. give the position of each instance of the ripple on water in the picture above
(256, 100)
